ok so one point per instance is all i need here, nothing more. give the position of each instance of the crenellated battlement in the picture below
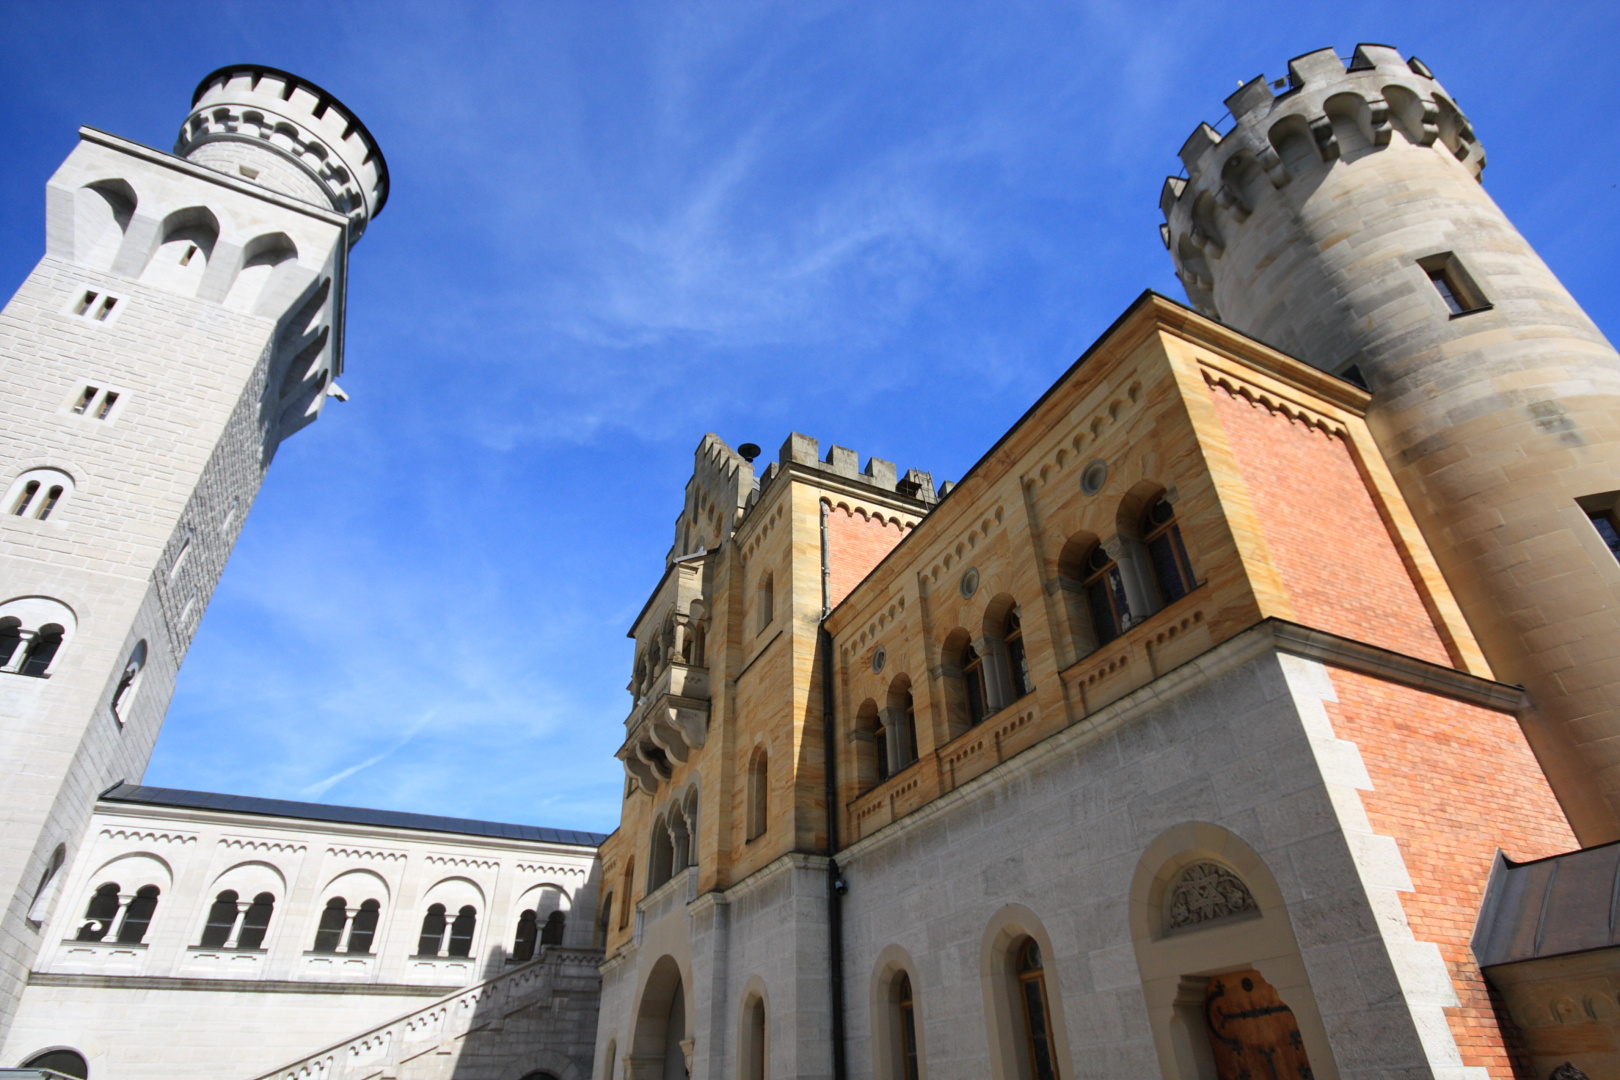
(840, 461)
(284, 133)
(1327, 112)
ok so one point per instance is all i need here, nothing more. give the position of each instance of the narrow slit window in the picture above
(84, 303)
(52, 497)
(1456, 288)
(191, 249)
(85, 398)
(106, 405)
(28, 492)
(106, 308)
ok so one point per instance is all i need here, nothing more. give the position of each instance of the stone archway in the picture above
(661, 1047)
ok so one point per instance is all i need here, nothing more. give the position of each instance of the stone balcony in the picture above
(666, 725)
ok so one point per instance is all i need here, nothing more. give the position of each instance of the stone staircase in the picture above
(542, 1012)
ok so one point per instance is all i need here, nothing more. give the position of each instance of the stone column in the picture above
(348, 928)
(236, 926)
(118, 919)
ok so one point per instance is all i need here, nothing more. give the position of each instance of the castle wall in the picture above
(244, 1010)
(1450, 829)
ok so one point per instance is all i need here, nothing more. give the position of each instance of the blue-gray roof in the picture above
(347, 815)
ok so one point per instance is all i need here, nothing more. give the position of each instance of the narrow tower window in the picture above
(84, 303)
(256, 922)
(908, 1028)
(432, 937)
(523, 942)
(86, 396)
(1456, 288)
(107, 404)
(221, 920)
(52, 497)
(461, 931)
(364, 928)
(42, 650)
(758, 793)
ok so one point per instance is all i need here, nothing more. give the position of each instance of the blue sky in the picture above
(615, 227)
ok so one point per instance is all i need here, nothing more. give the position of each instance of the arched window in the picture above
(1105, 596)
(433, 924)
(1037, 1013)
(329, 934)
(759, 798)
(629, 885)
(221, 920)
(42, 650)
(680, 842)
(1172, 572)
(604, 922)
(138, 916)
(129, 682)
(25, 500)
(754, 1051)
(767, 599)
(662, 866)
(523, 942)
(1012, 634)
(552, 932)
(461, 931)
(99, 914)
(972, 667)
(10, 638)
(364, 929)
(256, 922)
(907, 1028)
(66, 1062)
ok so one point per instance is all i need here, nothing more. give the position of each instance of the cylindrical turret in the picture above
(287, 134)
(1343, 221)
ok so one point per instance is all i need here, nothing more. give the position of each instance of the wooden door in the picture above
(1254, 1035)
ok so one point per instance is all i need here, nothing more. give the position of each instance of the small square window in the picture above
(1603, 511)
(1456, 287)
(96, 306)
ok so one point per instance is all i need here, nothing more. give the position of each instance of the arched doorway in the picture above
(662, 1042)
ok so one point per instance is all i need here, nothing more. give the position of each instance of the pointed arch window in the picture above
(1037, 1013)
(1105, 596)
(1172, 572)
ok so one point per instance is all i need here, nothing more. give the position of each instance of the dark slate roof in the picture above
(346, 815)
(1551, 907)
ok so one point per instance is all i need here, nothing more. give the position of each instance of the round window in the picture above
(970, 582)
(1093, 477)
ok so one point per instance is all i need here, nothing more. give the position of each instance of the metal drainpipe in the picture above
(835, 884)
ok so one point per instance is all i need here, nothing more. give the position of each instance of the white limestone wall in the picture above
(145, 1008)
(195, 353)
(1060, 831)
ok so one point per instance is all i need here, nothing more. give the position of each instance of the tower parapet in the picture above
(1329, 111)
(1343, 221)
(285, 133)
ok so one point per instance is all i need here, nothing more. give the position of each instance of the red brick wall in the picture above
(1451, 784)
(1327, 540)
(855, 544)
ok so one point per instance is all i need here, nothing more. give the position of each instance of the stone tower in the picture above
(186, 317)
(1342, 220)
